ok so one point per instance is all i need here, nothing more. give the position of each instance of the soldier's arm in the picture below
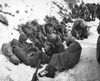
(20, 29)
(59, 41)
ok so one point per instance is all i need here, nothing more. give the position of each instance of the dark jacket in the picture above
(67, 59)
(98, 49)
(7, 51)
(98, 29)
(55, 46)
(79, 29)
(30, 58)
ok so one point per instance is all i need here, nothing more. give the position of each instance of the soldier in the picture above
(82, 7)
(86, 15)
(77, 10)
(28, 53)
(63, 61)
(80, 29)
(42, 29)
(29, 32)
(74, 13)
(98, 11)
(54, 45)
(41, 36)
(61, 30)
(52, 20)
(7, 51)
(49, 28)
(25, 51)
(92, 9)
(98, 45)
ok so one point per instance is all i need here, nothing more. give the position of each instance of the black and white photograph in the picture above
(49, 40)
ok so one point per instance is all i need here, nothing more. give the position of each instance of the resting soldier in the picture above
(54, 45)
(49, 28)
(7, 51)
(64, 60)
(80, 29)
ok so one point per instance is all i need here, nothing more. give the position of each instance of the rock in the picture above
(17, 11)
(3, 20)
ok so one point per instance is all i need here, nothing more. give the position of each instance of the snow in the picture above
(86, 70)
(91, 1)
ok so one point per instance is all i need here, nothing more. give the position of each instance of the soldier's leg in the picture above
(14, 42)
(34, 61)
(20, 53)
(45, 58)
(38, 44)
(61, 48)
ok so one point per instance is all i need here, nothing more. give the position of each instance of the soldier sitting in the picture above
(54, 45)
(64, 60)
(49, 28)
(80, 29)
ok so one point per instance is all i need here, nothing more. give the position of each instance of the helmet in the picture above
(22, 38)
(52, 37)
(80, 22)
(83, 24)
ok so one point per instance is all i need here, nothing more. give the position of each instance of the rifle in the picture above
(35, 78)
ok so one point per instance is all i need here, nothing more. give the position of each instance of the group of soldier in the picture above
(46, 45)
(85, 11)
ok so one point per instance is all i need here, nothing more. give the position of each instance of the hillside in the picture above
(86, 70)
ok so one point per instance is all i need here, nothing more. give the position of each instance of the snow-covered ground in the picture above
(91, 1)
(86, 70)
